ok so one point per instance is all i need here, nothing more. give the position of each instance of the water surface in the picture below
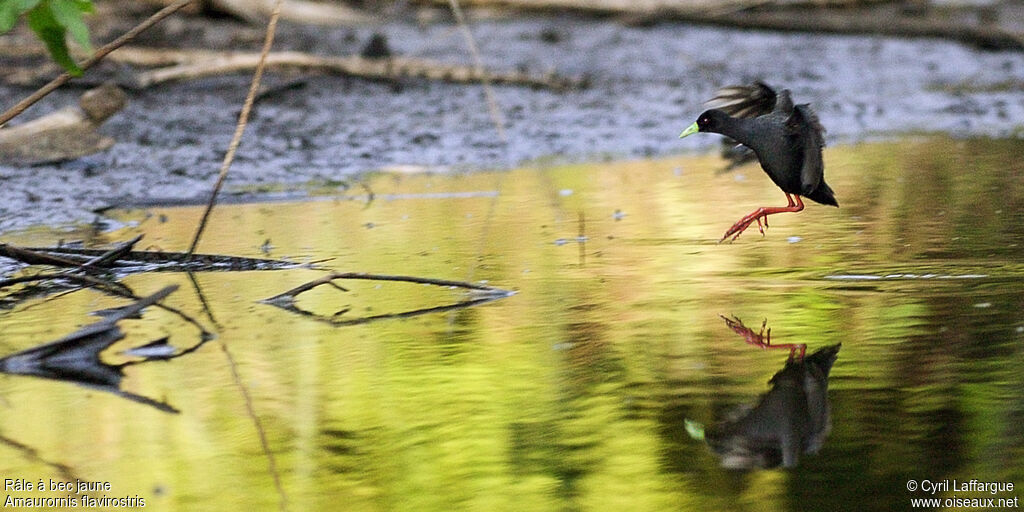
(572, 393)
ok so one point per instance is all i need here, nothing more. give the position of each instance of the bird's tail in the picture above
(824, 195)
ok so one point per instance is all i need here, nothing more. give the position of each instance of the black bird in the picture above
(786, 138)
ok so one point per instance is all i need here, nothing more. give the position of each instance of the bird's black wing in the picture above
(749, 101)
(803, 125)
(756, 99)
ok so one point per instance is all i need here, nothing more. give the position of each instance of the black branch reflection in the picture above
(76, 357)
(478, 294)
(793, 418)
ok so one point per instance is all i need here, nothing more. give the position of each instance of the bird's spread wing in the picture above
(784, 103)
(749, 101)
(752, 100)
(803, 126)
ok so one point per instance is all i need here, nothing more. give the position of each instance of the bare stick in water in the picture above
(243, 119)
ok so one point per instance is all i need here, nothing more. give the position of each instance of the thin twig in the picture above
(108, 257)
(492, 102)
(243, 119)
(96, 57)
(496, 117)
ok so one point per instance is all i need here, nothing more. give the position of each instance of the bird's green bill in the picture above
(692, 129)
(694, 429)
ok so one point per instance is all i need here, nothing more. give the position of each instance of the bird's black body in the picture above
(787, 139)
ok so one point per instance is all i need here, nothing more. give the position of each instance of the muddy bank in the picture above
(646, 84)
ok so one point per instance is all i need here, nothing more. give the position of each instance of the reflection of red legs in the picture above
(762, 339)
(760, 213)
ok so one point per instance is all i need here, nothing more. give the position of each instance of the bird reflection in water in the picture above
(791, 419)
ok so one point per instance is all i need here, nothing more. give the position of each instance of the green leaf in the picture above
(10, 10)
(43, 23)
(68, 14)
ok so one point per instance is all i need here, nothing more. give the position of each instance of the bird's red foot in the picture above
(762, 213)
(745, 223)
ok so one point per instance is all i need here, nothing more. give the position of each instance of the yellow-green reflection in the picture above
(570, 395)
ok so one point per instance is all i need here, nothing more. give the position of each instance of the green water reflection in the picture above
(571, 394)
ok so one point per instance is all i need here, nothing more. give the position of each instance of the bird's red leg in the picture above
(758, 214)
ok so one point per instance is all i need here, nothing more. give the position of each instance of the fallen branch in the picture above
(187, 64)
(126, 261)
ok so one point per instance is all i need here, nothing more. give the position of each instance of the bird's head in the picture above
(709, 121)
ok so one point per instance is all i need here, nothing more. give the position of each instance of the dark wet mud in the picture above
(647, 83)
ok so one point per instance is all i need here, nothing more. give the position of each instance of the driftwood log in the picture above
(65, 134)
